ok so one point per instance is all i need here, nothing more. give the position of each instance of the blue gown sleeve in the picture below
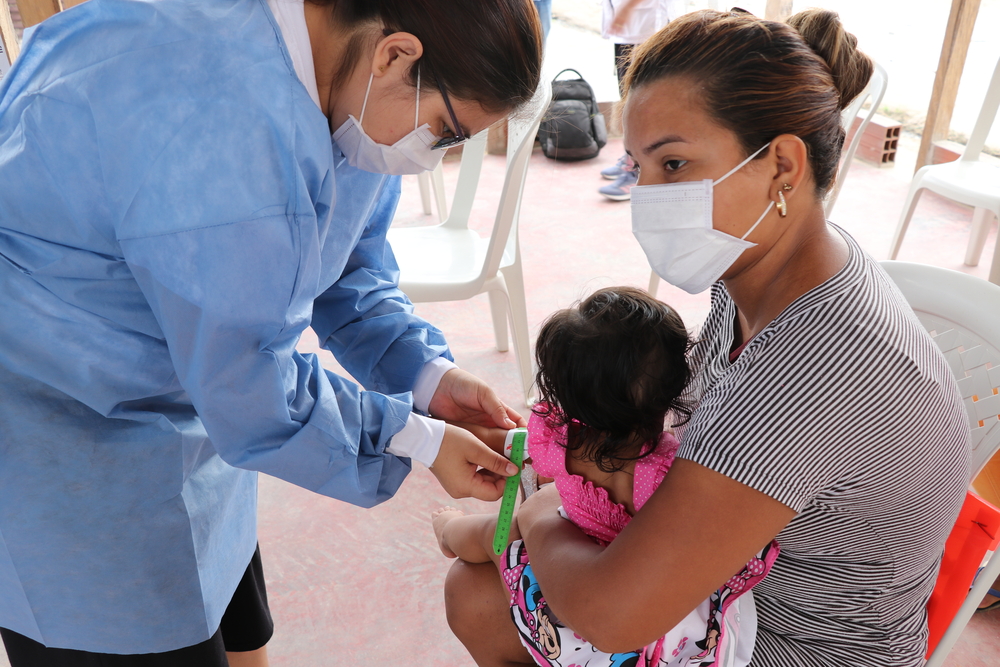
(232, 300)
(366, 321)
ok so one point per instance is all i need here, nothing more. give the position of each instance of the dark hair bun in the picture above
(822, 31)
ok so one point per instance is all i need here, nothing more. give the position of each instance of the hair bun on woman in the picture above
(822, 31)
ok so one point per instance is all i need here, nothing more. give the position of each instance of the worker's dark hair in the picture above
(761, 79)
(487, 52)
(610, 370)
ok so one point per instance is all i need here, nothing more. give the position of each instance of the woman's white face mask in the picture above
(673, 224)
(410, 155)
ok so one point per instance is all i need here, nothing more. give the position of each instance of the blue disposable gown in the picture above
(172, 216)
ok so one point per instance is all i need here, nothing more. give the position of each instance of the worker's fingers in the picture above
(493, 406)
(484, 457)
(493, 436)
(465, 466)
(487, 485)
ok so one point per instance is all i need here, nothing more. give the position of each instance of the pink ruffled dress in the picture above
(588, 506)
(720, 632)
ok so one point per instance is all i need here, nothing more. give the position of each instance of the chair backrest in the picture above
(987, 114)
(874, 91)
(962, 314)
(521, 130)
(468, 180)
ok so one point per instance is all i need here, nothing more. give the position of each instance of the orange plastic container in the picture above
(976, 531)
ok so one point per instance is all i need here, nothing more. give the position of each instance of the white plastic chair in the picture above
(874, 92)
(962, 314)
(433, 181)
(966, 180)
(450, 262)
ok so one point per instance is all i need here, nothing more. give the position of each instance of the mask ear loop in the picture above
(740, 165)
(416, 115)
(733, 171)
(754, 226)
(364, 105)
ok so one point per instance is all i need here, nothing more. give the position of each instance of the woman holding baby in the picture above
(799, 434)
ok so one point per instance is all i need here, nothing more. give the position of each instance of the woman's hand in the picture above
(465, 466)
(540, 511)
(697, 530)
(462, 397)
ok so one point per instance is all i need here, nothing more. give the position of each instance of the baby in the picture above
(610, 372)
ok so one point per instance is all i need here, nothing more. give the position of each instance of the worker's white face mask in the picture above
(410, 155)
(673, 224)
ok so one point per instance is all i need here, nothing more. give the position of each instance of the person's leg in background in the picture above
(622, 172)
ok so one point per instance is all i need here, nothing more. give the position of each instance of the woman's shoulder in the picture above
(857, 306)
(796, 409)
(857, 313)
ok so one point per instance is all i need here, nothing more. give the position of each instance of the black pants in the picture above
(623, 58)
(246, 626)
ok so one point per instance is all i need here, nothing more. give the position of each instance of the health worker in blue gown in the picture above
(173, 215)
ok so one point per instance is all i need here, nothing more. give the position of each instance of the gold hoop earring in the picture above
(782, 205)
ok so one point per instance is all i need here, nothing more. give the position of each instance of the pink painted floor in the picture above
(351, 586)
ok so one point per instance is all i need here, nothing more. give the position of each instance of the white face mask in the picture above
(673, 224)
(410, 155)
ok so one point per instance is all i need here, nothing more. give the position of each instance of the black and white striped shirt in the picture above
(844, 410)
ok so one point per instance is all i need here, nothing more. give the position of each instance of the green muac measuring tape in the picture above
(515, 448)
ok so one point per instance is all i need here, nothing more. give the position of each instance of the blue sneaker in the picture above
(621, 190)
(615, 172)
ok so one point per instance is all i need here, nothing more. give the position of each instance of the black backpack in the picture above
(572, 127)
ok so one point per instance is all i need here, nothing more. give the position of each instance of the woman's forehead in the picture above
(665, 111)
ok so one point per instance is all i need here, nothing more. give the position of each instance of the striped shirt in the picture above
(844, 410)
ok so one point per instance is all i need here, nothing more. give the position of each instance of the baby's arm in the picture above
(469, 536)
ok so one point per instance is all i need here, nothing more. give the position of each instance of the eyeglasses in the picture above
(459, 138)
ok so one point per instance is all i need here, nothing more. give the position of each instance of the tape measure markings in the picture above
(516, 440)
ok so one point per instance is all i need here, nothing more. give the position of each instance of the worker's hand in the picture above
(465, 466)
(493, 436)
(462, 397)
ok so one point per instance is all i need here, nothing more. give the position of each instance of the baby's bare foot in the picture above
(439, 519)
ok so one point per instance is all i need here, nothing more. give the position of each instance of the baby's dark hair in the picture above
(610, 370)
